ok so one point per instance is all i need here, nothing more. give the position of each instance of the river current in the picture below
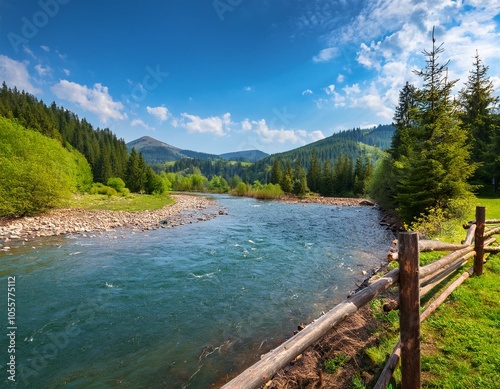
(183, 307)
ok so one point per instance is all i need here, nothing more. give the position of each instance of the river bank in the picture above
(187, 209)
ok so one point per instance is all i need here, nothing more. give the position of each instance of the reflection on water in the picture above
(183, 307)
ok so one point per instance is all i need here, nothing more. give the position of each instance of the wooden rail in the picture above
(413, 280)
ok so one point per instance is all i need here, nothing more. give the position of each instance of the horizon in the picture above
(225, 76)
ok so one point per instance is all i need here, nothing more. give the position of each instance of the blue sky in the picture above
(228, 75)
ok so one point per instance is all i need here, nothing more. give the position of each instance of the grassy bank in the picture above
(459, 347)
(130, 203)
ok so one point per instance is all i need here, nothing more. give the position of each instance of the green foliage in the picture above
(106, 154)
(116, 183)
(428, 168)
(331, 365)
(479, 119)
(241, 189)
(36, 172)
(218, 185)
(357, 382)
(102, 189)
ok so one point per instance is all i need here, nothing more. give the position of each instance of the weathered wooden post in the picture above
(479, 240)
(409, 309)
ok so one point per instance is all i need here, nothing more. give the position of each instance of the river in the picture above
(183, 307)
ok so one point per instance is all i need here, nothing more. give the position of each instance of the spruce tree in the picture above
(276, 174)
(314, 173)
(478, 106)
(436, 169)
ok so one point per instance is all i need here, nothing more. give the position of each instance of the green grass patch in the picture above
(130, 203)
(492, 208)
(331, 365)
(461, 336)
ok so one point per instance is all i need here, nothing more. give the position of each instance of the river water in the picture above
(183, 307)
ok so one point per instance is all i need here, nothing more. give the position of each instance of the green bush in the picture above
(116, 183)
(102, 189)
(241, 189)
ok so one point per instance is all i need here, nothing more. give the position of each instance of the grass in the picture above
(331, 365)
(460, 347)
(130, 203)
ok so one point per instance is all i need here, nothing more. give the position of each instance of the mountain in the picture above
(155, 151)
(245, 156)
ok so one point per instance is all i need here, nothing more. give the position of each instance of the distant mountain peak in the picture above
(155, 151)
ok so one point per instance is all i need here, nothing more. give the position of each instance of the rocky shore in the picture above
(187, 209)
(340, 201)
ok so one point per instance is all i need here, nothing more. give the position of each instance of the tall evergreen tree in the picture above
(478, 105)
(436, 169)
(314, 173)
(276, 173)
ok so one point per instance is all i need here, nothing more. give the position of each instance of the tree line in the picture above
(98, 154)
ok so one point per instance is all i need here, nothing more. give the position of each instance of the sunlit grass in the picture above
(130, 203)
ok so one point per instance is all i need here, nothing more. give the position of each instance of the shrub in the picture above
(116, 183)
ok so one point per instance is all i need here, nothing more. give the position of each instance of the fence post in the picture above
(479, 240)
(409, 309)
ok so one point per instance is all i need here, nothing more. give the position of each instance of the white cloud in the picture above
(268, 135)
(45, 48)
(15, 74)
(307, 92)
(349, 90)
(216, 125)
(326, 55)
(330, 89)
(246, 125)
(161, 113)
(96, 100)
(316, 135)
(340, 78)
(140, 122)
(67, 72)
(388, 36)
(248, 89)
(42, 71)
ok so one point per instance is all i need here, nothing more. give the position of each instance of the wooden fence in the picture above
(414, 281)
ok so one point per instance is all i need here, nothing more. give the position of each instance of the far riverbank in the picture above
(187, 209)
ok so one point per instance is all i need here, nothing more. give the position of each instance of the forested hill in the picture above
(106, 154)
(367, 143)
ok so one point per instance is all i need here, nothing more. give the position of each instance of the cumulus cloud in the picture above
(96, 99)
(388, 37)
(268, 135)
(161, 113)
(326, 55)
(140, 122)
(307, 92)
(15, 74)
(340, 78)
(217, 125)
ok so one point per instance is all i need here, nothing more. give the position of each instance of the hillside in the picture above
(244, 156)
(157, 152)
(352, 143)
